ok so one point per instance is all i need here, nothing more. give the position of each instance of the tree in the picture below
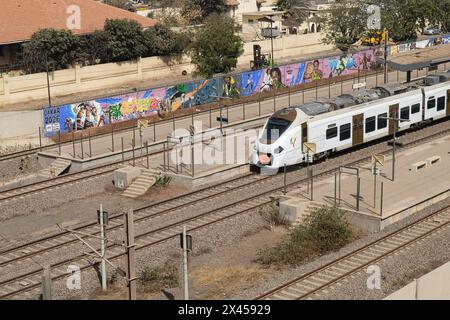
(404, 18)
(295, 10)
(345, 24)
(122, 4)
(216, 46)
(443, 15)
(60, 47)
(160, 40)
(209, 7)
(94, 48)
(124, 39)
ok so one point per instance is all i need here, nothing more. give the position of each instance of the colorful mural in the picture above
(420, 44)
(100, 112)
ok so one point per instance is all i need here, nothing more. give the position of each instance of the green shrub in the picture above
(323, 231)
(157, 278)
(163, 181)
(272, 215)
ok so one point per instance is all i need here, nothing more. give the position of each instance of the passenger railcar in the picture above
(349, 120)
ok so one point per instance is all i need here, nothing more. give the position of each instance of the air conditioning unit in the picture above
(431, 80)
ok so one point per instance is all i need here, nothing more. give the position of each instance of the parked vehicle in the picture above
(433, 30)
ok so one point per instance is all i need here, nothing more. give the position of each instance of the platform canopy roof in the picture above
(420, 58)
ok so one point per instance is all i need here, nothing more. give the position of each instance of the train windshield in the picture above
(274, 129)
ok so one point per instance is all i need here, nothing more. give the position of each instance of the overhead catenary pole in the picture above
(40, 139)
(46, 284)
(103, 249)
(393, 152)
(130, 247)
(386, 37)
(185, 265)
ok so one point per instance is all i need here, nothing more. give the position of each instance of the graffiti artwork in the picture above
(100, 112)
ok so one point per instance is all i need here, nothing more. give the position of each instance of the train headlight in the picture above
(278, 150)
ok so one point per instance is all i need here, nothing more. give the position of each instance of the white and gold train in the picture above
(349, 120)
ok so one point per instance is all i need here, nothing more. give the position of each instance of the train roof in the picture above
(362, 96)
(314, 108)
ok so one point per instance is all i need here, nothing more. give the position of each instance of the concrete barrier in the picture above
(434, 285)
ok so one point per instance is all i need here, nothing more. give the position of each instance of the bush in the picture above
(158, 278)
(163, 181)
(323, 231)
(58, 47)
(272, 215)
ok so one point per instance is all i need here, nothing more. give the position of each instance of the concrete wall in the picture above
(25, 88)
(19, 128)
(435, 285)
(16, 89)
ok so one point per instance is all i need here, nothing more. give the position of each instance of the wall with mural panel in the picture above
(100, 112)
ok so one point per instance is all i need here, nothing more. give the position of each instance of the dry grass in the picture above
(218, 283)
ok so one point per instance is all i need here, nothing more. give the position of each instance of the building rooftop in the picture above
(421, 58)
(19, 19)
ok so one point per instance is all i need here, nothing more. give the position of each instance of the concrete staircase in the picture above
(310, 208)
(142, 184)
(55, 169)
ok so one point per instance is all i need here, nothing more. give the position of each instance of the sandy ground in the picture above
(218, 274)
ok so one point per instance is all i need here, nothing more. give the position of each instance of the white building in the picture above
(237, 8)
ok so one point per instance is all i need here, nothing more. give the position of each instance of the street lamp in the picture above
(269, 18)
(271, 40)
(393, 140)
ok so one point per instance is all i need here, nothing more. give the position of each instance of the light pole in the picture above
(220, 108)
(269, 18)
(271, 41)
(46, 42)
(393, 140)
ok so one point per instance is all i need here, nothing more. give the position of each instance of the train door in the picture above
(393, 113)
(448, 103)
(304, 134)
(358, 129)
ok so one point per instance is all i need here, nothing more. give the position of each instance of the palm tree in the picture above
(295, 10)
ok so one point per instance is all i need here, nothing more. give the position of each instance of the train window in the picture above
(370, 124)
(274, 129)
(332, 133)
(404, 113)
(440, 104)
(382, 121)
(345, 132)
(415, 108)
(431, 104)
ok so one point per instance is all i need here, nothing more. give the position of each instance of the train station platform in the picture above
(422, 176)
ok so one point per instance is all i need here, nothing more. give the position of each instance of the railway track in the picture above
(67, 179)
(50, 184)
(29, 281)
(311, 285)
